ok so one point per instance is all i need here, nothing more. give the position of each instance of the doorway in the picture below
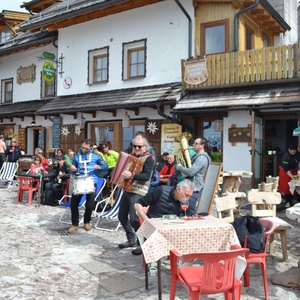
(278, 132)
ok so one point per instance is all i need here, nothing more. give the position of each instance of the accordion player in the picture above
(127, 173)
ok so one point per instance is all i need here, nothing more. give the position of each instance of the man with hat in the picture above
(162, 162)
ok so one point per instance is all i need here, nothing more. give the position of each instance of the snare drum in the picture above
(83, 185)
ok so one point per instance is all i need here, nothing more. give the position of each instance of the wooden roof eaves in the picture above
(84, 14)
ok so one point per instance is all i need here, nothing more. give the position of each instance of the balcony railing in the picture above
(266, 64)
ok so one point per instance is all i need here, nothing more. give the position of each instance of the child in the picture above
(37, 167)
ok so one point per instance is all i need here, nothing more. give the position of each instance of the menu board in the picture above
(22, 139)
(56, 128)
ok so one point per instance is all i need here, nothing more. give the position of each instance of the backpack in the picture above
(251, 227)
(50, 198)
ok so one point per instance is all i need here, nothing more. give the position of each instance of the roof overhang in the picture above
(110, 101)
(69, 13)
(265, 97)
(21, 109)
(26, 41)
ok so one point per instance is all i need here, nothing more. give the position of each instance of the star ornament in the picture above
(65, 131)
(151, 127)
(77, 130)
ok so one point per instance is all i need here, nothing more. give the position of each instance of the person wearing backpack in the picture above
(196, 173)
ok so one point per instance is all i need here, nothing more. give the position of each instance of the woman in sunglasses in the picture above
(139, 188)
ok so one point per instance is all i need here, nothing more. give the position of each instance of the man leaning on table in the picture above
(163, 200)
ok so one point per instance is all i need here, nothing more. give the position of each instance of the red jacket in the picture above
(167, 171)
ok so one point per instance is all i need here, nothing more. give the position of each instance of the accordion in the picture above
(126, 162)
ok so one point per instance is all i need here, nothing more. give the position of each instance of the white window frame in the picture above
(44, 87)
(5, 85)
(103, 55)
(4, 36)
(134, 69)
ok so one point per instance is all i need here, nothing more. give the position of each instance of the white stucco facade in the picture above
(166, 44)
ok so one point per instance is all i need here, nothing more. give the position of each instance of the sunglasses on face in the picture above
(86, 149)
(40, 152)
(138, 146)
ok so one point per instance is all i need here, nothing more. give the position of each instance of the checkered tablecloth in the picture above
(198, 235)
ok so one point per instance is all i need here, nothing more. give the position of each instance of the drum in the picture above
(83, 185)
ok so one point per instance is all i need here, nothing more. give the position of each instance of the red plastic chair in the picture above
(27, 184)
(216, 274)
(260, 258)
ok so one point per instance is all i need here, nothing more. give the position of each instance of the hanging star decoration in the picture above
(65, 131)
(77, 130)
(151, 127)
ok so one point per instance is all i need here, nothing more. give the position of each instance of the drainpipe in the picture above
(185, 127)
(190, 27)
(236, 27)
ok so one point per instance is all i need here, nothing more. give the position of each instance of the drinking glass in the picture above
(184, 205)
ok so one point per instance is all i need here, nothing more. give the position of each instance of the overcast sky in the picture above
(12, 5)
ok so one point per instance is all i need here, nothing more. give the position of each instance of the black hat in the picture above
(293, 146)
(165, 153)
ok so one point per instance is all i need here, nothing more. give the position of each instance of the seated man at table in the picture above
(163, 200)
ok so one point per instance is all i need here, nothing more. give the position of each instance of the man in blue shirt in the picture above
(85, 163)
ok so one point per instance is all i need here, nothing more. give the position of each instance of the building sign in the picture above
(48, 55)
(239, 134)
(26, 74)
(195, 71)
(49, 71)
(168, 134)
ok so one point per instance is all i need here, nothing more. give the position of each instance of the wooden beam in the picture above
(257, 11)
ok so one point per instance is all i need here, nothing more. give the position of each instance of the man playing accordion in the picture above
(141, 182)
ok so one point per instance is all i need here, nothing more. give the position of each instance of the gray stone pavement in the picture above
(39, 260)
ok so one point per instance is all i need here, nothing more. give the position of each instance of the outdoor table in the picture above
(203, 234)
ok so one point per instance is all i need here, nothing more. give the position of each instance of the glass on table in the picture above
(184, 205)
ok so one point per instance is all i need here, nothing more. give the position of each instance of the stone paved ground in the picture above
(40, 261)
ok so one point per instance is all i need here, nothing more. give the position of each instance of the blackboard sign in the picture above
(210, 185)
(56, 128)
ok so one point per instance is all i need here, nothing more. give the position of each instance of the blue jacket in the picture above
(85, 164)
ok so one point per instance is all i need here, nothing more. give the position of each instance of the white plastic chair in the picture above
(8, 171)
(112, 213)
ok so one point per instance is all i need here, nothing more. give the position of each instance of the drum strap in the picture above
(85, 162)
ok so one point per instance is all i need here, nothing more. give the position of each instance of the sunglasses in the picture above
(138, 146)
(40, 152)
(196, 143)
(86, 149)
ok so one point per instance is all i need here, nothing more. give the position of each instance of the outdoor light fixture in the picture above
(126, 120)
(33, 121)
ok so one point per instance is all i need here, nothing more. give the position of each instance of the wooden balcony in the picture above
(240, 68)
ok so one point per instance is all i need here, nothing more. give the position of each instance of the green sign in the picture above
(49, 71)
(48, 55)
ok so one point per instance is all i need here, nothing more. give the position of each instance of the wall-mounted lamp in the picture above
(81, 121)
(33, 121)
(126, 120)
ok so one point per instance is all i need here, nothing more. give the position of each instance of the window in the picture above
(249, 38)
(134, 60)
(7, 91)
(4, 36)
(48, 88)
(266, 41)
(98, 66)
(214, 37)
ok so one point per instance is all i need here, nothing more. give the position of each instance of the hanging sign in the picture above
(48, 71)
(195, 71)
